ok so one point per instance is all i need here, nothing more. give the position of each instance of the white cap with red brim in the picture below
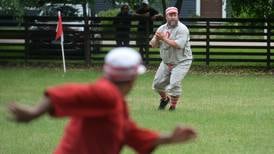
(171, 10)
(123, 64)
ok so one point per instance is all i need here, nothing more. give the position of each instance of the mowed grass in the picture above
(232, 112)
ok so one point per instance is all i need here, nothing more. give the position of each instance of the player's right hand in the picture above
(20, 113)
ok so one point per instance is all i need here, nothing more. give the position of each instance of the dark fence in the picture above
(89, 39)
(232, 40)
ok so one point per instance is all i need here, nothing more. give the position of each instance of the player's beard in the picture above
(172, 23)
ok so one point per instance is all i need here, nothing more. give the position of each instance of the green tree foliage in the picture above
(252, 8)
(132, 3)
(11, 7)
(17, 7)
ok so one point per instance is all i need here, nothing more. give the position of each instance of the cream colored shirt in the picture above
(180, 34)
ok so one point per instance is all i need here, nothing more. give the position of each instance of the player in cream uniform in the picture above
(173, 40)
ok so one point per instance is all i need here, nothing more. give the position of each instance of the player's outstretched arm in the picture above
(20, 113)
(179, 135)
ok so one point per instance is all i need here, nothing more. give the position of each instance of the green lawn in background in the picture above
(233, 112)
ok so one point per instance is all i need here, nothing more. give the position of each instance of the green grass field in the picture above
(233, 112)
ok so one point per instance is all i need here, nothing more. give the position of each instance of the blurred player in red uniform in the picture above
(99, 119)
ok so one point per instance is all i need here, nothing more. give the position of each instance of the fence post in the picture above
(26, 26)
(92, 21)
(207, 41)
(147, 32)
(268, 43)
(86, 36)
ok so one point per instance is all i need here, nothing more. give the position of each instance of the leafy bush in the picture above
(106, 23)
(109, 13)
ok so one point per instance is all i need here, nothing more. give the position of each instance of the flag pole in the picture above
(63, 53)
(59, 33)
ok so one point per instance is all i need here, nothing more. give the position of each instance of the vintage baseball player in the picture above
(173, 40)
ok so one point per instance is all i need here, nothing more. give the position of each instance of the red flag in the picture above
(59, 28)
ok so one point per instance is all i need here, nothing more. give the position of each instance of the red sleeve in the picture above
(82, 100)
(140, 139)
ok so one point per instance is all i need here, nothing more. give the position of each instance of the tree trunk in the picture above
(164, 6)
(179, 4)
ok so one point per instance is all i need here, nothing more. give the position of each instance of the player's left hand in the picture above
(182, 134)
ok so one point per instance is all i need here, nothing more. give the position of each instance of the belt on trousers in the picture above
(170, 66)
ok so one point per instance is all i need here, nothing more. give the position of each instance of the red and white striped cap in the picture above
(123, 64)
(171, 10)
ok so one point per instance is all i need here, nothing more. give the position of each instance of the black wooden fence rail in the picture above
(251, 37)
(89, 39)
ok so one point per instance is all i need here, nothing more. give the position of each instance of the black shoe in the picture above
(163, 104)
(172, 108)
